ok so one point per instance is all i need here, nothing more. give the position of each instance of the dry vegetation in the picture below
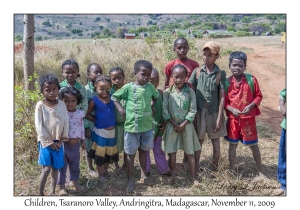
(125, 53)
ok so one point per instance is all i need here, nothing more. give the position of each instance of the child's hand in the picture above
(83, 145)
(54, 146)
(88, 133)
(153, 110)
(176, 127)
(283, 110)
(123, 113)
(217, 126)
(236, 112)
(181, 127)
(162, 128)
(58, 144)
(247, 109)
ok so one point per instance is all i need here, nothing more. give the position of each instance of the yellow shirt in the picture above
(283, 37)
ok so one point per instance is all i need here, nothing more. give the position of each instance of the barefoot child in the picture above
(181, 47)
(179, 110)
(93, 70)
(138, 122)
(104, 148)
(117, 77)
(71, 97)
(242, 98)
(158, 129)
(281, 170)
(52, 127)
(208, 81)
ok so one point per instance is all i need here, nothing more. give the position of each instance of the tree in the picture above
(28, 51)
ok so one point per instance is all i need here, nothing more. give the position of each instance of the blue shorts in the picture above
(50, 157)
(134, 141)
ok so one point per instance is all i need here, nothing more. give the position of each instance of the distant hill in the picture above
(60, 26)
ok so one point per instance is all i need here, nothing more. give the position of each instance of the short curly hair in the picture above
(70, 90)
(49, 79)
(102, 78)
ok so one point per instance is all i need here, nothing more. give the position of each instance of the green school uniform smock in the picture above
(282, 96)
(206, 88)
(120, 123)
(180, 107)
(90, 92)
(138, 106)
(158, 119)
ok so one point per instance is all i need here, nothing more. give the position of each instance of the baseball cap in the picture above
(213, 46)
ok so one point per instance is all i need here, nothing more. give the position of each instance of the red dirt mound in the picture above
(19, 47)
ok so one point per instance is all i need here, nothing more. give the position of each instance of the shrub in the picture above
(25, 141)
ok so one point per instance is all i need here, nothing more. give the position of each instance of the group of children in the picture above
(108, 117)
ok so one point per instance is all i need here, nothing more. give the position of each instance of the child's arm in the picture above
(282, 101)
(65, 133)
(166, 113)
(43, 135)
(257, 97)
(221, 102)
(120, 108)
(191, 114)
(167, 80)
(88, 115)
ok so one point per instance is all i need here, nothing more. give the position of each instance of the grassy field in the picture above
(124, 53)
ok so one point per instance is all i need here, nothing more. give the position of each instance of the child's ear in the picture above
(218, 55)
(78, 75)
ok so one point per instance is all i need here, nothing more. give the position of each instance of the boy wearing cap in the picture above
(208, 82)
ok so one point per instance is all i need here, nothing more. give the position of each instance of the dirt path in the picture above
(267, 64)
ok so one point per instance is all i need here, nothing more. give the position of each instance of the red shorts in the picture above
(241, 129)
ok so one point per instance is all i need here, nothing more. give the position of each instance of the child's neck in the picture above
(73, 110)
(71, 83)
(179, 89)
(50, 103)
(105, 99)
(209, 68)
(238, 78)
(118, 88)
(183, 59)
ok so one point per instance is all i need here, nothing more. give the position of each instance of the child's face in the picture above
(103, 89)
(70, 101)
(179, 75)
(50, 91)
(70, 73)
(117, 79)
(237, 67)
(181, 49)
(143, 75)
(208, 57)
(95, 71)
(154, 79)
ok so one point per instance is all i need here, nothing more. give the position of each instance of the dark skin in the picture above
(181, 48)
(117, 79)
(102, 89)
(95, 70)
(237, 67)
(209, 60)
(142, 77)
(70, 73)
(50, 92)
(71, 102)
(179, 75)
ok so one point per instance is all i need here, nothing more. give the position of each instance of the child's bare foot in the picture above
(278, 192)
(146, 181)
(93, 173)
(259, 178)
(129, 187)
(196, 183)
(102, 179)
(62, 192)
(167, 174)
(171, 179)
